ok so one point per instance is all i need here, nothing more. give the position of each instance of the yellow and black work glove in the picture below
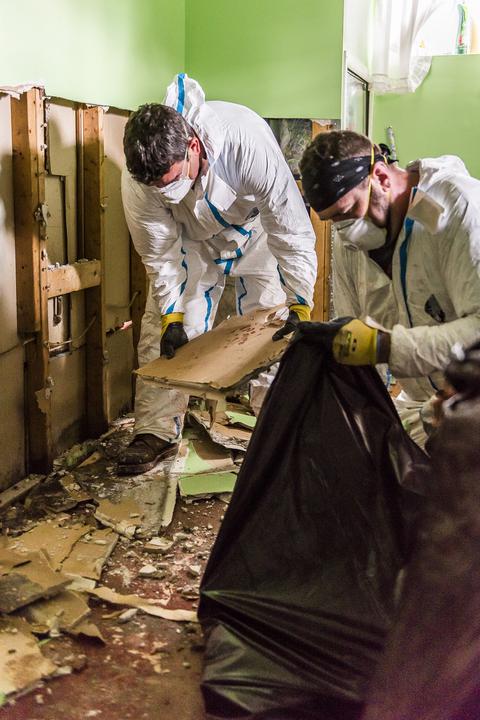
(173, 334)
(350, 341)
(297, 314)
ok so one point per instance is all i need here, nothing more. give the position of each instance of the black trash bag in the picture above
(299, 589)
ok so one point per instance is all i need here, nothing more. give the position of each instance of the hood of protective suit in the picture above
(434, 169)
(187, 97)
(423, 206)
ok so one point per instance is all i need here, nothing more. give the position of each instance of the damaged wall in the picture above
(113, 52)
(12, 438)
(65, 388)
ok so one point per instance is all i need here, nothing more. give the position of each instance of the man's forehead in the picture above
(339, 206)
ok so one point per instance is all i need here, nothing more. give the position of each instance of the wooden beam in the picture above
(94, 247)
(323, 232)
(28, 142)
(66, 279)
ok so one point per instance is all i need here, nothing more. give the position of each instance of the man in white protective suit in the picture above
(406, 254)
(207, 193)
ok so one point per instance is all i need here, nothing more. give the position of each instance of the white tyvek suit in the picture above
(245, 217)
(433, 299)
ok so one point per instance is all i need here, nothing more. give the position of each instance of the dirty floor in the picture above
(148, 668)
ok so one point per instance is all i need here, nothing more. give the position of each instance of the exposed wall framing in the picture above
(28, 146)
(72, 306)
(323, 233)
(92, 142)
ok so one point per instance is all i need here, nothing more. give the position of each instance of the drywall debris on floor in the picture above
(22, 664)
(54, 549)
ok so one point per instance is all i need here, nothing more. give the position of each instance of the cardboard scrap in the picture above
(22, 664)
(123, 516)
(145, 604)
(29, 582)
(90, 553)
(236, 350)
(62, 612)
(206, 484)
(56, 541)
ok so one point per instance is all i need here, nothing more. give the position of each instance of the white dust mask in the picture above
(361, 234)
(175, 191)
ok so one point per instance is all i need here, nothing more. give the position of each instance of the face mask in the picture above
(175, 191)
(361, 234)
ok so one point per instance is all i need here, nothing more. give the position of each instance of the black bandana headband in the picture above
(341, 176)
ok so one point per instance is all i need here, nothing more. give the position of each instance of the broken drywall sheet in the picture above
(56, 541)
(243, 419)
(60, 613)
(22, 664)
(140, 506)
(207, 484)
(145, 604)
(29, 582)
(10, 559)
(90, 554)
(231, 437)
(74, 489)
(227, 356)
(123, 516)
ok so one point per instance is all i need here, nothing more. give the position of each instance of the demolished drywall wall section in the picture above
(12, 437)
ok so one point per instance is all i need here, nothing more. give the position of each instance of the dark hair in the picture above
(156, 136)
(334, 145)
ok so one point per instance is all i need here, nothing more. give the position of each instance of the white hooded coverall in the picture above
(433, 298)
(245, 217)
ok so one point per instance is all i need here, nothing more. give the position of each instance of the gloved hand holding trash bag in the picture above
(349, 340)
(297, 314)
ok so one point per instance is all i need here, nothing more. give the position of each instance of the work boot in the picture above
(143, 453)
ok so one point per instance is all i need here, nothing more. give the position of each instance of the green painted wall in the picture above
(441, 117)
(114, 52)
(281, 58)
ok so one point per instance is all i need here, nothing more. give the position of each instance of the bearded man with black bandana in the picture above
(406, 255)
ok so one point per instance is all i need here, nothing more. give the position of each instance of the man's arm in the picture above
(291, 238)
(421, 350)
(156, 237)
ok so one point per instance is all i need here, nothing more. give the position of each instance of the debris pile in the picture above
(82, 539)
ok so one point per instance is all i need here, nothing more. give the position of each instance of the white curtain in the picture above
(396, 65)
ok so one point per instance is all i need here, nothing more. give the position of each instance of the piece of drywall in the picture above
(110, 52)
(12, 432)
(117, 242)
(441, 117)
(8, 294)
(68, 399)
(280, 58)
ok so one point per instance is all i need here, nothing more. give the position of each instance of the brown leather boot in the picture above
(143, 453)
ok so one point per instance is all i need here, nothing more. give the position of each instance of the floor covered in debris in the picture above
(99, 579)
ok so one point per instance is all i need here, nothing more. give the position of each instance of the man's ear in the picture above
(381, 175)
(195, 145)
